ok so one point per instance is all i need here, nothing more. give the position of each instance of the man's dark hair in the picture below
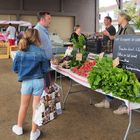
(76, 27)
(42, 14)
(109, 18)
(10, 24)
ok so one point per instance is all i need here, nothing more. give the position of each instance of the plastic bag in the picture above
(49, 107)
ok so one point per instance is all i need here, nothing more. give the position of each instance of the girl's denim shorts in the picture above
(34, 87)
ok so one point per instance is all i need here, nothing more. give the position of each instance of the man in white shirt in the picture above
(11, 31)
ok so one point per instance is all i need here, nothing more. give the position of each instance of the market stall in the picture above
(84, 82)
(86, 73)
(19, 25)
(125, 83)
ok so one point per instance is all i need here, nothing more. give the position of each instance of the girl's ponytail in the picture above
(23, 44)
(31, 36)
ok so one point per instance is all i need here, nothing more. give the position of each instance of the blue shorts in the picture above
(34, 87)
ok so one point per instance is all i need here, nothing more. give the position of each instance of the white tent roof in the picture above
(21, 23)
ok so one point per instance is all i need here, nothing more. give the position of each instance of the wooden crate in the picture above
(4, 50)
(13, 48)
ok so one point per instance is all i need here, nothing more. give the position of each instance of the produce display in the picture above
(79, 47)
(68, 62)
(74, 62)
(119, 82)
(65, 65)
(80, 42)
(61, 61)
(71, 61)
(66, 58)
(56, 60)
(85, 68)
(101, 74)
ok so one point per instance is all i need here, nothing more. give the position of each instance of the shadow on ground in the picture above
(80, 120)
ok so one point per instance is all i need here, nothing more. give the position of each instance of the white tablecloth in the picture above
(84, 82)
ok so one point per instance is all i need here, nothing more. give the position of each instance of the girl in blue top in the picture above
(31, 65)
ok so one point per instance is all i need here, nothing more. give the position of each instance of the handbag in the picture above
(49, 107)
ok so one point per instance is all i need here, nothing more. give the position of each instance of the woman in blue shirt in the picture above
(31, 65)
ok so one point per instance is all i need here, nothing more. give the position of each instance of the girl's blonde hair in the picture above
(23, 44)
(31, 36)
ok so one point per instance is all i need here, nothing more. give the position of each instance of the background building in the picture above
(65, 13)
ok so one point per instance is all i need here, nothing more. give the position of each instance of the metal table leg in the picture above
(131, 128)
(62, 91)
(91, 98)
(60, 83)
(129, 125)
(70, 92)
(67, 94)
(55, 79)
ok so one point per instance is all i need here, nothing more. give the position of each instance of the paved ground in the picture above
(80, 121)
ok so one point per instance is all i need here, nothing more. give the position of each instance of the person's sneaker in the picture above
(35, 135)
(121, 110)
(102, 104)
(17, 130)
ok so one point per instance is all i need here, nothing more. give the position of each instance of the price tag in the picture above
(58, 105)
(79, 56)
(51, 116)
(101, 55)
(53, 95)
(84, 47)
(116, 62)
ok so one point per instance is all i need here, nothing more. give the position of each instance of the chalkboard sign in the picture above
(127, 48)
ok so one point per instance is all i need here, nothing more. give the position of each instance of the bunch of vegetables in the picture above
(85, 68)
(119, 82)
(64, 63)
(75, 62)
(78, 48)
(56, 59)
(80, 42)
